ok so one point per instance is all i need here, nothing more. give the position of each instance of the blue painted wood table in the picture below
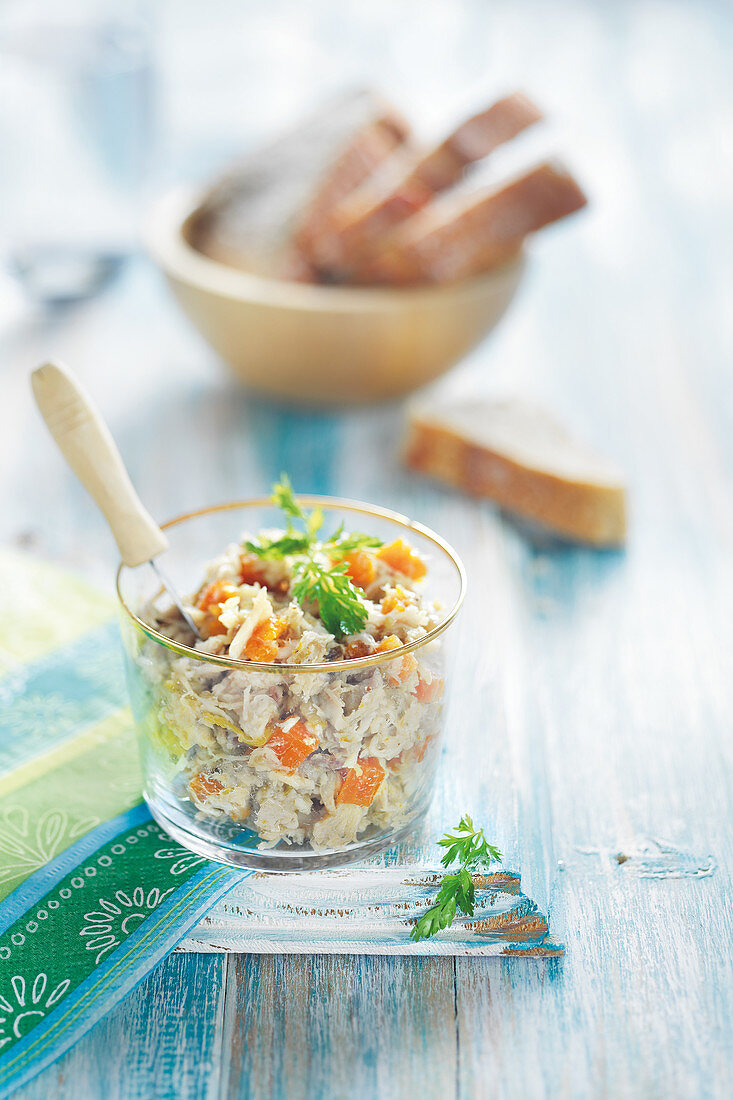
(591, 718)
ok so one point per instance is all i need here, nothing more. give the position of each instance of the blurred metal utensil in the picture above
(57, 274)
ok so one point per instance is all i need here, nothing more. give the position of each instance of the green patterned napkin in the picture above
(93, 894)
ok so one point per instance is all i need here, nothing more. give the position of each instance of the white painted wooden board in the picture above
(592, 712)
(369, 909)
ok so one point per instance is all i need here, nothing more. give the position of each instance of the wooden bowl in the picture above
(322, 344)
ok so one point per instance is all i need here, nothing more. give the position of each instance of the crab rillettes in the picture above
(322, 759)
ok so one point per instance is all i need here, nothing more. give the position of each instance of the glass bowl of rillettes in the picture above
(288, 766)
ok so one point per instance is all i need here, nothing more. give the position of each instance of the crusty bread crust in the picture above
(459, 236)
(360, 158)
(407, 182)
(581, 508)
(249, 217)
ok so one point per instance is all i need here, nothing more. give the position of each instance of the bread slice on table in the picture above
(467, 234)
(248, 217)
(406, 182)
(518, 455)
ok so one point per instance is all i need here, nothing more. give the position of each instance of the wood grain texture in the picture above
(590, 720)
(163, 1041)
(334, 1026)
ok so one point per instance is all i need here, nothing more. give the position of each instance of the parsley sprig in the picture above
(339, 603)
(468, 845)
(319, 568)
(470, 848)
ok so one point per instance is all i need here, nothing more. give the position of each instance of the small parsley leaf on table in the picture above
(469, 847)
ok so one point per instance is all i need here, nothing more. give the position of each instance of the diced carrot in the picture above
(400, 558)
(397, 671)
(262, 644)
(210, 600)
(427, 691)
(360, 568)
(394, 601)
(215, 594)
(423, 748)
(409, 664)
(361, 783)
(202, 785)
(263, 652)
(293, 745)
(251, 571)
(416, 753)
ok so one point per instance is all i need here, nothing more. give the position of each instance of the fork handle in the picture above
(88, 447)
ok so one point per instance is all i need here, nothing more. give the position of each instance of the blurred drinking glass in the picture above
(75, 129)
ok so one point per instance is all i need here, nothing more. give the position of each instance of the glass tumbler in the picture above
(76, 114)
(371, 727)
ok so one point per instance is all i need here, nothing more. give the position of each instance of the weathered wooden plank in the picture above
(627, 657)
(339, 1027)
(163, 1041)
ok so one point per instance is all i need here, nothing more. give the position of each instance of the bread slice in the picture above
(408, 181)
(518, 455)
(372, 147)
(462, 235)
(248, 217)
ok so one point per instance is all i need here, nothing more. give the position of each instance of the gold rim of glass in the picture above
(321, 666)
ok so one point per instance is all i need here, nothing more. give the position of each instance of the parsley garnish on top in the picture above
(340, 606)
(319, 567)
(470, 847)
